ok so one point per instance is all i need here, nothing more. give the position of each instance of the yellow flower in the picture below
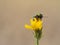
(35, 24)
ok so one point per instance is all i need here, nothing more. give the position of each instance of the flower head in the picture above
(35, 23)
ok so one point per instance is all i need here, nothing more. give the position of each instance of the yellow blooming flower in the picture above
(35, 24)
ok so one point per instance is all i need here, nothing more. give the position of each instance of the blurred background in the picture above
(14, 14)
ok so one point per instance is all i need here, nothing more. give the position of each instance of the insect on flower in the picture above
(36, 23)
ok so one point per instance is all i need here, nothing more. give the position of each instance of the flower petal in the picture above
(33, 22)
(28, 26)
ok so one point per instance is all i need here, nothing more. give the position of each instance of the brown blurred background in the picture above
(15, 13)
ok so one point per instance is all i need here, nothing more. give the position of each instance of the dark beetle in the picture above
(38, 16)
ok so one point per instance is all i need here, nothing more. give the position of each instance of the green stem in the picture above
(37, 41)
